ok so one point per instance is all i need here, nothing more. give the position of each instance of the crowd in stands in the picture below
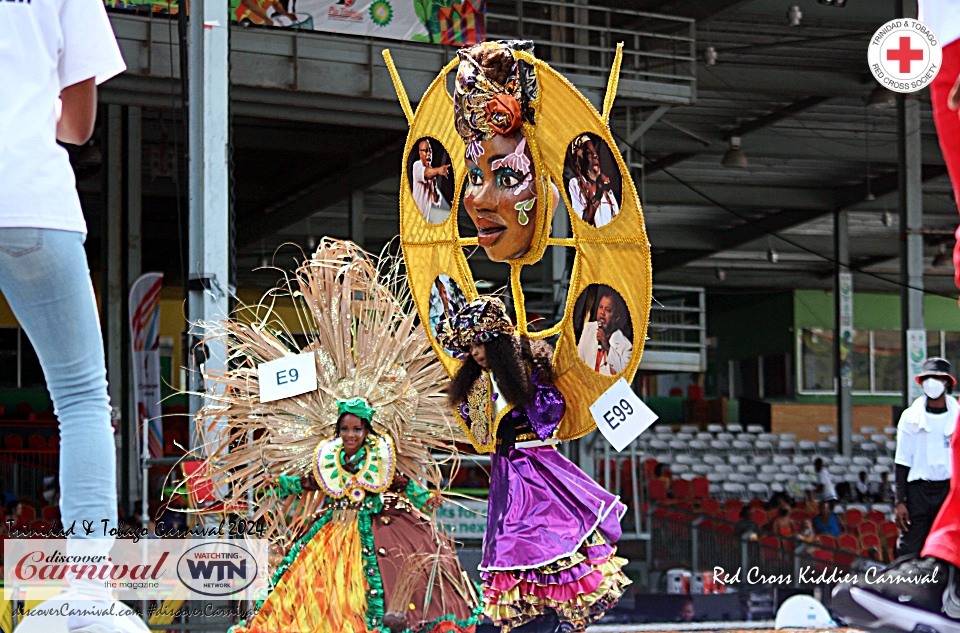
(783, 520)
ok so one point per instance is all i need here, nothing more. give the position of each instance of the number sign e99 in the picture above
(620, 415)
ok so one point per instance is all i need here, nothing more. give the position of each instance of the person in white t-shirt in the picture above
(823, 488)
(921, 590)
(426, 191)
(923, 462)
(53, 53)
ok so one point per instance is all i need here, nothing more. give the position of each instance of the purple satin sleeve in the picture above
(545, 411)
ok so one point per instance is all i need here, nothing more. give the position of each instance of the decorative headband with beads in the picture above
(480, 321)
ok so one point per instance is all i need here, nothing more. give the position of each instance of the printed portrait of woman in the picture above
(492, 101)
(593, 180)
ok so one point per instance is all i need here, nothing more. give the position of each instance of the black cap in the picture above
(936, 367)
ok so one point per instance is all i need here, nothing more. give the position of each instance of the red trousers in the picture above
(944, 539)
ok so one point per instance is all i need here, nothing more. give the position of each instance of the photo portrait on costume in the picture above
(603, 329)
(431, 179)
(492, 99)
(592, 180)
(446, 299)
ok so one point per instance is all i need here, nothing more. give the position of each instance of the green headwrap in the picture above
(356, 406)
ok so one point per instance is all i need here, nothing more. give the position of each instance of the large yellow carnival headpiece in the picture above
(514, 140)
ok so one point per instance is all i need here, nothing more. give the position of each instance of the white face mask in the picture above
(933, 388)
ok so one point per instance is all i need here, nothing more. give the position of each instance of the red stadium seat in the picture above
(701, 488)
(28, 514)
(682, 489)
(657, 489)
(849, 542)
(14, 443)
(889, 528)
(876, 516)
(710, 506)
(852, 517)
(868, 527)
(827, 541)
(844, 559)
(648, 467)
(870, 540)
(823, 559)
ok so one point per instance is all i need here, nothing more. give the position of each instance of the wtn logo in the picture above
(218, 569)
(225, 569)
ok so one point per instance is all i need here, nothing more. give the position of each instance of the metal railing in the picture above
(677, 334)
(578, 38)
(622, 474)
(696, 542)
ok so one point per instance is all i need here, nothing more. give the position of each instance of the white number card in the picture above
(620, 415)
(287, 377)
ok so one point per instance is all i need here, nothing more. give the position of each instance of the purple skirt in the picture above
(542, 508)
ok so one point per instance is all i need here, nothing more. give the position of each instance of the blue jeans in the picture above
(45, 278)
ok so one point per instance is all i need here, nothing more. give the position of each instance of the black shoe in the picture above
(912, 595)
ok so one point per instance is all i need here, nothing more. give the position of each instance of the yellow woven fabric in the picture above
(324, 589)
(616, 255)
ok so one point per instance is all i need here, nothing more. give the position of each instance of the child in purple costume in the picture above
(549, 545)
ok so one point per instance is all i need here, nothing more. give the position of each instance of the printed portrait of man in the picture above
(603, 345)
(425, 179)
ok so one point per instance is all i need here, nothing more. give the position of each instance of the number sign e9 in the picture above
(287, 377)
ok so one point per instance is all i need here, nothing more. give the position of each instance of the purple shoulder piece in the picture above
(546, 410)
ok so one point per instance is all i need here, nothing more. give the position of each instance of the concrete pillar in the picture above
(843, 331)
(910, 163)
(134, 220)
(112, 299)
(208, 262)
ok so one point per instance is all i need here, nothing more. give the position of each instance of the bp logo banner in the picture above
(453, 22)
(434, 21)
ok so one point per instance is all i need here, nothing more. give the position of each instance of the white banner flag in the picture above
(145, 351)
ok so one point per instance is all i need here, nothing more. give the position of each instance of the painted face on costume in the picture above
(500, 197)
(353, 432)
(479, 353)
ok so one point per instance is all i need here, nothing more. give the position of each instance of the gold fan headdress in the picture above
(516, 93)
(360, 324)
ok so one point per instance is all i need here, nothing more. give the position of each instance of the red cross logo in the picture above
(905, 54)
